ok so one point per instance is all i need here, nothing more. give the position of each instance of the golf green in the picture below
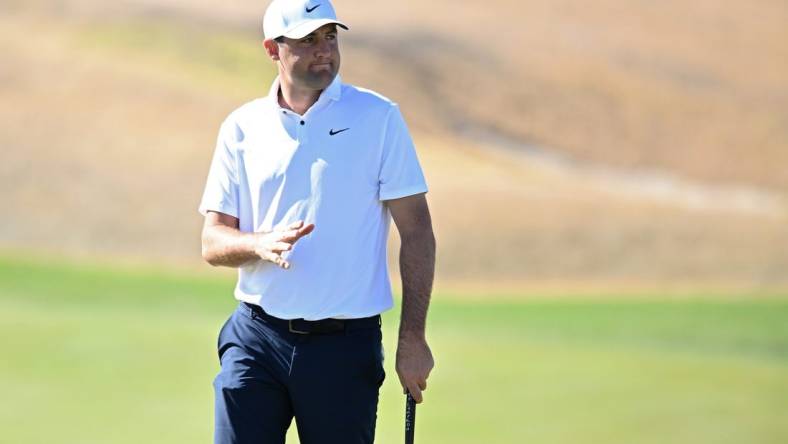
(101, 354)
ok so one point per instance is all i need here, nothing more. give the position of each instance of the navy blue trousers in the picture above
(329, 382)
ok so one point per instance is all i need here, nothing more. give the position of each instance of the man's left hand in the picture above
(414, 364)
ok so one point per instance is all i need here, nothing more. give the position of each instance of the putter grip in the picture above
(410, 419)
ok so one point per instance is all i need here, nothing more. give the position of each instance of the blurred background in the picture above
(608, 183)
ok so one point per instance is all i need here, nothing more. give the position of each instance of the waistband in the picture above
(322, 326)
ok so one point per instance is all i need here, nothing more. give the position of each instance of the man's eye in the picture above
(331, 37)
(307, 40)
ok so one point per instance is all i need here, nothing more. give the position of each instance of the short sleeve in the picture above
(400, 172)
(221, 188)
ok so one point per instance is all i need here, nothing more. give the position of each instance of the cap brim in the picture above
(305, 29)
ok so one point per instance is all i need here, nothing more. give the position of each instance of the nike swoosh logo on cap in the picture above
(334, 133)
(308, 9)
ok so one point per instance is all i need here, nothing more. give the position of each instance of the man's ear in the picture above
(272, 49)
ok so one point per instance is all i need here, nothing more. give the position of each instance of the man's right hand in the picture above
(270, 246)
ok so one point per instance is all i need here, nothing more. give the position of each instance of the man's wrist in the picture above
(255, 244)
(412, 335)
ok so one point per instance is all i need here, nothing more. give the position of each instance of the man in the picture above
(299, 196)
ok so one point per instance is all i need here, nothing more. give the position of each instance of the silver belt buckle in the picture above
(292, 330)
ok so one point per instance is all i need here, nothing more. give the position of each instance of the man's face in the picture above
(311, 62)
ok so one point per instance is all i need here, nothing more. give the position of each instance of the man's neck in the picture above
(296, 99)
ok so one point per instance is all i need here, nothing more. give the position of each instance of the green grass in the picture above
(96, 354)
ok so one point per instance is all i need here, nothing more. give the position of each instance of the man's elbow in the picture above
(423, 237)
(209, 254)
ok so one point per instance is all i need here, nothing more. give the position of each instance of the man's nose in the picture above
(323, 48)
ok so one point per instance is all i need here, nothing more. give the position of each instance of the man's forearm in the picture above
(228, 247)
(417, 268)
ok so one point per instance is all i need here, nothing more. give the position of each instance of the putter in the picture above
(410, 419)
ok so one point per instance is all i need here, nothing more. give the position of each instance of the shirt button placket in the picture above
(302, 133)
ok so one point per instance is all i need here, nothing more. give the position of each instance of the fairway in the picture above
(95, 354)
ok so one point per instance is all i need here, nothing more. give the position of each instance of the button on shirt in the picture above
(335, 167)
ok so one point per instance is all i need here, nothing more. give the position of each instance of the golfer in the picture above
(299, 197)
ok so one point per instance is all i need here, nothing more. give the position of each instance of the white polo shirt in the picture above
(333, 167)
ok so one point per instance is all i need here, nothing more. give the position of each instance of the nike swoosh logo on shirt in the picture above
(334, 133)
(308, 9)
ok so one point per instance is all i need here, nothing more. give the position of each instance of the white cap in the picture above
(297, 18)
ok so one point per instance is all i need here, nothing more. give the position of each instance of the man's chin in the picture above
(321, 79)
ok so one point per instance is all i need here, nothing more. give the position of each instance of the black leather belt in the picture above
(322, 326)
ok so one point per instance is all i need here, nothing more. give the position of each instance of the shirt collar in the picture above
(333, 91)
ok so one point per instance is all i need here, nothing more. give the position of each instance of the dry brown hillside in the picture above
(693, 87)
(628, 142)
